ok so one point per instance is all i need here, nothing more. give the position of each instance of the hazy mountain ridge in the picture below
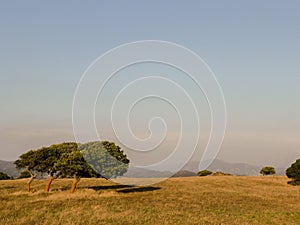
(239, 169)
(9, 168)
(134, 172)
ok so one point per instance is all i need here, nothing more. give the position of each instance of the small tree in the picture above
(203, 173)
(267, 170)
(4, 176)
(293, 172)
(28, 162)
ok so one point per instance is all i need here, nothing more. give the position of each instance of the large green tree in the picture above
(293, 172)
(93, 159)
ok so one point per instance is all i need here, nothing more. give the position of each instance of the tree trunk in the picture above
(30, 181)
(28, 185)
(74, 184)
(49, 183)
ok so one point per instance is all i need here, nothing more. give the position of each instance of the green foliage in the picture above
(43, 160)
(203, 173)
(267, 170)
(27, 161)
(24, 174)
(293, 172)
(73, 164)
(4, 176)
(106, 158)
(48, 156)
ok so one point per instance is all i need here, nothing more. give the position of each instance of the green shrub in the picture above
(4, 176)
(203, 173)
(219, 173)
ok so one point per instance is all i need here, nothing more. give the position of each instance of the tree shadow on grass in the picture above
(121, 188)
(65, 188)
(7, 187)
(105, 187)
(138, 189)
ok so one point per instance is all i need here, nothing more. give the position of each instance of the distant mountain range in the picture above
(240, 169)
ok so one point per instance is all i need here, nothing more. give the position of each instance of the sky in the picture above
(252, 47)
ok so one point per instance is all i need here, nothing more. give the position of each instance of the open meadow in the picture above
(194, 200)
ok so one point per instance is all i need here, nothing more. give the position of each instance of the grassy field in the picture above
(196, 200)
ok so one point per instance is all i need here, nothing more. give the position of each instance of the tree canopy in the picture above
(48, 156)
(42, 161)
(72, 163)
(293, 172)
(106, 158)
(27, 161)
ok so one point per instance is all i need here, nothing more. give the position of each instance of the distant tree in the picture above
(220, 173)
(204, 173)
(107, 158)
(28, 162)
(24, 174)
(267, 170)
(293, 172)
(4, 176)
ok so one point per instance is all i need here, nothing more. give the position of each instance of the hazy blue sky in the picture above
(253, 48)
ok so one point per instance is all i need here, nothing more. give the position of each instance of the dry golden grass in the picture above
(195, 200)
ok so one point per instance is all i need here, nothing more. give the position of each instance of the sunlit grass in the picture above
(194, 200)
